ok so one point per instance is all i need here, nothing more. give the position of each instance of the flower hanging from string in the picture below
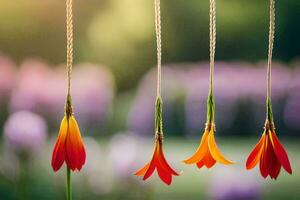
(208, 152)
(69, 147)
(269, 152)
(158, 161)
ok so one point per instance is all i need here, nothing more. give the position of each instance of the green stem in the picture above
(69, 188)
(158, 116)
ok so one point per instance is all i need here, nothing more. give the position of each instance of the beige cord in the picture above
(69, 22)
(212, 40)
(158, 44)
(271, 44)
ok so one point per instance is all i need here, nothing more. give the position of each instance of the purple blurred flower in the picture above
(43, 90)
(292, 108)
(92, 93)
(25, 131)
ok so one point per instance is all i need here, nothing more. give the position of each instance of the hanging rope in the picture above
(271, 44)
(158, 44)
(212, 39)
(69, 22)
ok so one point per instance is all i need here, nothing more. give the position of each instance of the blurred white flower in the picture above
(97, 172)
(123, 149)
(235, 184)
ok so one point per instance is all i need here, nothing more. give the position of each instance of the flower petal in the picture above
(58, 155)
(208, 160)
(153, 163)
(280, 152)
(255, 155)
(214, 150)
(262, 164)
(143, 170)
(164, 164)
(150, 169)
(75, 152)
(164, 175)
(272, 162)
(200, 152)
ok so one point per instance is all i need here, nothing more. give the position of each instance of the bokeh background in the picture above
(114, 93)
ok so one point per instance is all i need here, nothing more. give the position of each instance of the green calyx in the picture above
(158, 116)
(269, 110)
(210, 116)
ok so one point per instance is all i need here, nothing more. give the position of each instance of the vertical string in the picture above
(271, 44)
(212, 39)
(69, 23)
(158, 44)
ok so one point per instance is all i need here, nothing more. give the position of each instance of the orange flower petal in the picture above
(262, 165)
(214, 150)
(280, 152)
(143, 170)
(255, 155)
(58, 155)
(200, 152)
(75, 152)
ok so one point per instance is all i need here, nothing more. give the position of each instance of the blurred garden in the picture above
(114, 89)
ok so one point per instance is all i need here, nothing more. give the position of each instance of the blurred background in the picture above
(114, 94)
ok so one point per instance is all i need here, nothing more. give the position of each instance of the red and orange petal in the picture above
(159, 163)
(69, 146)
(208, 152)
(270, 154)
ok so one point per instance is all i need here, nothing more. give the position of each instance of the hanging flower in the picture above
(270, 154)
(69, 146)
(158, 160)
(208, 152)
(159, 163)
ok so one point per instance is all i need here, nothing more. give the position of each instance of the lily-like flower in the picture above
(158, 161)
(270, 154)
(69, 145)
(208, 152)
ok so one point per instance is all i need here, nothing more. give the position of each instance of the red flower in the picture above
(159, 163)
(270, 154)
(208, 152)
(69, 146)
